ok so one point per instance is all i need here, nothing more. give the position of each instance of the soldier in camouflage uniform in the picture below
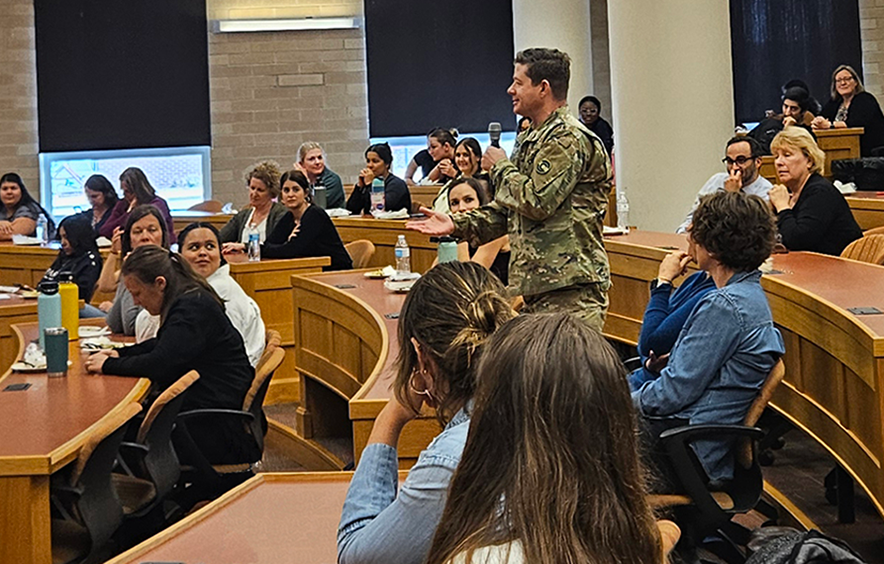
(550, 197)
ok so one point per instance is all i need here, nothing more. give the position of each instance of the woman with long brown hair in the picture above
(551, 471)
(446, 318)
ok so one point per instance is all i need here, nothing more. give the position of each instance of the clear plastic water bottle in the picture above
(403, 257)
(254, 244)
(377, 196)
(42, 229)
(622, 211)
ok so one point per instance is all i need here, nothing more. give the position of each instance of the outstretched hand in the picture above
(436, 224)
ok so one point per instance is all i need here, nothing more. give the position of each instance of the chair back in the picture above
(160, 463)
(745, 449)
(866, 249)
(361, 252)
(272, 341)
(212, 206)
(254, 401)
(98, 507)
(874, 231)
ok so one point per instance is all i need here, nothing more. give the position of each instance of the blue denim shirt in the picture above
(717, 366)
(379, 526)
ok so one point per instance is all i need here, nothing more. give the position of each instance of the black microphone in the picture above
(494, 133)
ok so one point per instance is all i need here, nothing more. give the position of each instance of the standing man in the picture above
(550, 197)
(742, 158)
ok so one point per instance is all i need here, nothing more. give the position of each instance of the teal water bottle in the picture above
(48, 308)
(447, 250)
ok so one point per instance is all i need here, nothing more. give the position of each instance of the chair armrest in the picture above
(632, 363)
(198, 413)
(677, 442)
(125, 445)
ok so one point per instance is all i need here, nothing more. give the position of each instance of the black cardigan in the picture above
(86, 268)
(197, 335)
(821, 220)
(396, 196)
(317, 237)
(864, 112)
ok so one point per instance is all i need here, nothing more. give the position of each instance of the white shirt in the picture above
(262, 229)
(242, 311)
(508, 553)
(760, 187)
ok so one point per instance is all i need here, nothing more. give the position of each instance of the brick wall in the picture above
(18, 92)
(871, 23)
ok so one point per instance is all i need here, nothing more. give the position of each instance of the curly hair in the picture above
(267, 172)
(737, 229)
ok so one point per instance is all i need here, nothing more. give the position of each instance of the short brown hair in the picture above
(267, 172)
(859, 83)
(737, 229)
(550, 65)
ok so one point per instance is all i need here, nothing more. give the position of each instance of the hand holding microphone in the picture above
(493, 153)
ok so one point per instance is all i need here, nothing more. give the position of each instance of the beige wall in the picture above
(871, 23)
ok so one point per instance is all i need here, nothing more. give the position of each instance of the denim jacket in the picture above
(379, 526)
(717, 366)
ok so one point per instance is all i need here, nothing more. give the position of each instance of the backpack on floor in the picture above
(811, 547)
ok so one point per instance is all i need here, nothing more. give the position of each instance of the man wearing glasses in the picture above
(742, 159)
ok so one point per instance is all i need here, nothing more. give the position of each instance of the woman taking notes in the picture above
(445, 321)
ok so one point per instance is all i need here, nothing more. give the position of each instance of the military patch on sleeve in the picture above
(543, 167)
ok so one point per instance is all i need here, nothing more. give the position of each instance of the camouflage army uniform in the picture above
(550, 199)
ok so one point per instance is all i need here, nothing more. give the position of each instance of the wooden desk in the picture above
(836, 143)
(268, 282)
(422, 194)
(384, 233)
(181, 219)
(346, 347)
(867, 208)
(41, 430)
(269, 519)
(834, 359)
(12, 312)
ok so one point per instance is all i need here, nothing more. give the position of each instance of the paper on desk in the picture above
(608, 230)
(25, 240)
(398, 214)
(338, 212)
(103, 242)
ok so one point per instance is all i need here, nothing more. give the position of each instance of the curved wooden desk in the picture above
(834, 359)
(384, 233)
(837, 144)
(41, 430)
(181, 219)
(867, 208)
(345, 352)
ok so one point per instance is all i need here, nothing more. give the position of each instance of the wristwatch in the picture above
(657, 282)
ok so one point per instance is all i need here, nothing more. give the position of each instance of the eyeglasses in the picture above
(741, 160)
(847, 80)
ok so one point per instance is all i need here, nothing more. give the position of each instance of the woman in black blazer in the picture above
(852, 106)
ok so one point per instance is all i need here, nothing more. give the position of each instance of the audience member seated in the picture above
(195, 334)
(467, 163)
(666, 313)
(262, 212)
(796, 111)
(305, 231)
(19, 212)
(742, 158)
(103, 199)
(589, 112)
(812, 214)
(852, 106)
(311, 161)
(440, 146)
(468, 194)
(378, 161)
(728, 344)
(144, 226)
(445, 320)
(533, 486)
(524, 124)
(78, 256)
(137, 191)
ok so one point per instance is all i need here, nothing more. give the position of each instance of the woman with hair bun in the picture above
(164, 284)
(378, 161)
(262, 212)
(446, 319)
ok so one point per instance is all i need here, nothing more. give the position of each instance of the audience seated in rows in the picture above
(164, 284)
(851, 106)
(742, 158)
(440, 146)
(590, 114)
(263, 212)
(812, 215)
(551, 469)
(199, 244)
(103, 198)
(469, 194)
(304, 231)
(144, 226)
(19, 211)
(378, 164)
(467, 163)
(445, 321)
(78, 256)
(728, 344)
(311, 161)
(137, 191)
(796, 112)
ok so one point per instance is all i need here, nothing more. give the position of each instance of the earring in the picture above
(411, 384)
